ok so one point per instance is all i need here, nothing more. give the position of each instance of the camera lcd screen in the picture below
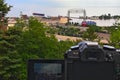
(45, 70)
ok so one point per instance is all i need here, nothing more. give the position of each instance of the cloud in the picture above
(79, 3)
(58, 7)
(66, 3)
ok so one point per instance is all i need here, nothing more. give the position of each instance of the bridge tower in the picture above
(77, 11)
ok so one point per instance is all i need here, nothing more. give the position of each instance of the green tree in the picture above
(4, 8)
(35, 43)
(89, 34)
(24, 42)
(71, 31)
(115, 37)
(10, 62)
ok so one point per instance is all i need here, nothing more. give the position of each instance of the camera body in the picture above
(92, 51)
(84, 61)
(90, 54)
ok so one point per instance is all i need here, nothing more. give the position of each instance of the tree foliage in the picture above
(115, 37)
(89, 34)
(35, 43)
(9, 57)
(4, 8)
(69, 31)
(24, 42)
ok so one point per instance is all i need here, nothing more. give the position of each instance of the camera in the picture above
(85, 61)
(92, 51)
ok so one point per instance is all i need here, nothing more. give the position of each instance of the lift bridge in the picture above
(83, 11)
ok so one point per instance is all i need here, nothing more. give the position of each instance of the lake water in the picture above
(110, 22)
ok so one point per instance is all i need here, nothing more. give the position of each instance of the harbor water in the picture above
(104, 23)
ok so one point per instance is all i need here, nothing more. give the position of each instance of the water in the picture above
(106, 23)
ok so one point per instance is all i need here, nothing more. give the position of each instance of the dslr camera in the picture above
(85, 61)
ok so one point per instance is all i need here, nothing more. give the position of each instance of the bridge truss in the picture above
(77, 11)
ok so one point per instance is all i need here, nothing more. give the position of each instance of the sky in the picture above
(60, 7)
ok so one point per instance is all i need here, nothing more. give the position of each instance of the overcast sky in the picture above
(60, 7)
